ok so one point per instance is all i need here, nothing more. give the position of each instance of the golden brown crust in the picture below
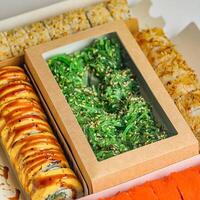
(182, 85)
(5, 51)
(119, 9)
(29, 140)
(56, 27)
(98, 15)
(17, 40)
(189, 106)
(14, 42)
(37, 34)
(177, 76)
(77, 20)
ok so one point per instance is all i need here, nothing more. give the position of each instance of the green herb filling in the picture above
(105, 97)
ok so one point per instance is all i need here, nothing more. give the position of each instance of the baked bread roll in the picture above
(33, 149)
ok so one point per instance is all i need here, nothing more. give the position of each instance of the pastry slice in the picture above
(76, 20)
(119, 9)
(98, 15)
(182, 85)
(37, 34)
(189, 106)
(5, 51)
(170, 72)
(17, 40)
(56, 27)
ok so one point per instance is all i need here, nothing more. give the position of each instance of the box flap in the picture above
(141, 11)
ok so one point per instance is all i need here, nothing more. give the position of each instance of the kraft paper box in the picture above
(129, 165)
(180, 166)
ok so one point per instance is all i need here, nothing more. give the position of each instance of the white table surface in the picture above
(10, 8)
(177, 14)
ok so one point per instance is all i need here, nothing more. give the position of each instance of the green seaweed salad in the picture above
(105, 97)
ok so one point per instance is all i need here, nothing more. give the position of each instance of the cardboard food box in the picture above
(13, 179)
(129, 165)
(180, 166)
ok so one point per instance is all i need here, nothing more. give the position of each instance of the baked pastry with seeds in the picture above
(56, 27)
(17, 40)
(37, 33)
(189, 106)
(119, 9)
(77, 20)
(5, 51)
(177, 76)
(98, 15)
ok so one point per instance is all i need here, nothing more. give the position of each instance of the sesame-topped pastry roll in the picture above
(177, 76)
(172, 68)
(37, 33)
(5, 51)
(98, 15)
(189, 106)
(17, 40)
(56, 27)
(119, 9)
(156, 46)
(174, 72)
(30, 143)
(77, 20)
(182, 85)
